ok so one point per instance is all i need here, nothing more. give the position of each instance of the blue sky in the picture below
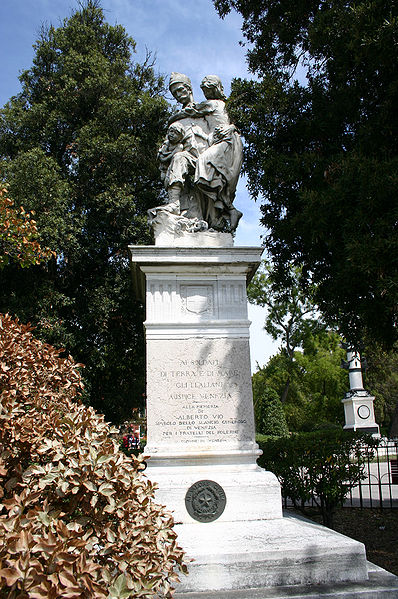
(186, 36)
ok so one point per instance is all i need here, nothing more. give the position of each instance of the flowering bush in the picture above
(77, 517)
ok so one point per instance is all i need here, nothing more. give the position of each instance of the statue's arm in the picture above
(181, 114)
(203, 108)
(195, 111)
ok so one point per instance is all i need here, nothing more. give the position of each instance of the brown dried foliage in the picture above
(77, 517)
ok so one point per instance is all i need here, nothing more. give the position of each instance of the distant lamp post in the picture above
(358, 404)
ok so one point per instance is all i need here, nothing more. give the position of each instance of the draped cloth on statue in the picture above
(218, 167)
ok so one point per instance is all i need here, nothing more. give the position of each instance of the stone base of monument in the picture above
(268, 553)
(249, 544)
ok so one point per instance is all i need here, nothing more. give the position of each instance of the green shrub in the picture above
(77, 518)
(270, 418)
(264, 438)
(326, 426)
(321, 466)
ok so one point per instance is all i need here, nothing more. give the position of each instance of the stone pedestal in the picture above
(358, 403)
(199, 395)
(201, 438)
(359, 413)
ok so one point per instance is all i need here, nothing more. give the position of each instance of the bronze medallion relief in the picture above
(205, 501)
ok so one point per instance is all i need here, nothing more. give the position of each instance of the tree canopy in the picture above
(291, 315)
(317, 383)
(322, 154)
(78, 146)
(305, 375)
(381, 379)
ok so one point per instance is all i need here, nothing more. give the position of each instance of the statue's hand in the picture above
(190, 111)
(197, 110)
(221, 132)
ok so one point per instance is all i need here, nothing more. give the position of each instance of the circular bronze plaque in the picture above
(205, 501)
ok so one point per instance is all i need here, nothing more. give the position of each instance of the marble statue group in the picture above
(200, 161)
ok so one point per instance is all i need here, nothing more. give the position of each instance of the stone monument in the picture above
(201, 438)
(358, 403)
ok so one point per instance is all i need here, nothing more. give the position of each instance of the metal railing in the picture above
(380, 487)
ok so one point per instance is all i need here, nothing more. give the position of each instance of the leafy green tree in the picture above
(290, 316)
(317, 383)
(381, 380)
(78, 146)
(322, 379)
(274, 375)
(323, 154)
(291, 312)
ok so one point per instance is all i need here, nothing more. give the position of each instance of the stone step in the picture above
(381, 585)
(268, 553)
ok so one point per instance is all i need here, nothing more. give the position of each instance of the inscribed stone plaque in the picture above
(199, 394)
